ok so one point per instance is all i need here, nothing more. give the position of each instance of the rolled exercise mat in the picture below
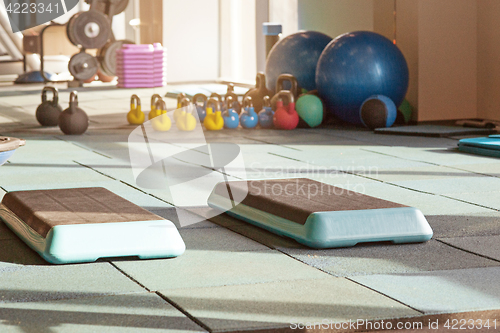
(320, 215)
(85, 224)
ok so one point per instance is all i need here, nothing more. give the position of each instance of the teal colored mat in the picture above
(487, 146)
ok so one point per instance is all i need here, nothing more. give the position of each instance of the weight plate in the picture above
(101, 5)
(107, 56)
(89, 29)
(83, 66)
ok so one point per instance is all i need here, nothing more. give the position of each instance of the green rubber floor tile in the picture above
(218, 239)
(14, 253)
(488, 246)
(487, 199)
(285, 304)
(428, 172)
(467, 225)
(197, 268)
(439, 156)
(429, 204)
(42, 283)
(441, 291)
(386, 259)
(492, 168)
(48, 177)
(460, 184)
(139, 312)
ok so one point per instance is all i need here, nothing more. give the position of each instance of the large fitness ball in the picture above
(357, 65)
(296, 54)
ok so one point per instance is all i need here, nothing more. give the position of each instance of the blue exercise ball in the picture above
(357, 65)
(296, 54)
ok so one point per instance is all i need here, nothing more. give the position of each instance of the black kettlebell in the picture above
(48, 112)
(73, 120)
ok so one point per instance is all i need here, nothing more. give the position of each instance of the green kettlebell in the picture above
(73, 120)
(48, 112)
(310, 109)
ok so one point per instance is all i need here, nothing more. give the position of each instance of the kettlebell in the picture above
(213, 120)
(236, 106)
(185, 120)
(285, 117)
(259, 91)
(248, 118)
(135, 116)
(279, 87)
(161, 122)
(201, 109)
(231, 117)
(73, 120)
(48, 112)
(153, 113)
(177, 111)
(266, 114)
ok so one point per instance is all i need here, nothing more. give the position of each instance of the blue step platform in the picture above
(488, 146)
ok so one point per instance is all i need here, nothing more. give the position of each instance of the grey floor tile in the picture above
(441, 291)
(218, 239)
(460, 225)
(471, 184)
(382, 258)
(137, 312)
(40, 283)
(490, 199)
(207, 268)
(488, 246)
(284, 304)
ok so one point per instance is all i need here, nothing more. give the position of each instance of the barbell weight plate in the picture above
(100, 5)
(107, 56)
(83, 66)
(89, 29)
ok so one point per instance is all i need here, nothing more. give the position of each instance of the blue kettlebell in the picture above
(248, 118)
(231, 117)
(266, 114)
(201, 109)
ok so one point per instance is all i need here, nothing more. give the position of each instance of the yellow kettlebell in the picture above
(177, 111)
(135, 116)
(161, 122)
(153, 113)
(213, 120)
(185, 120)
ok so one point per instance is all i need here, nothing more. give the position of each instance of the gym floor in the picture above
(237, 277)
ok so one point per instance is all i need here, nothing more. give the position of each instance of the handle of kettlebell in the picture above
(230, 87)
(288, 94)
(229, 101)
(290, 78)
(214, 102)
(185, 102)
(198, 96)
(135, 100)
(154, 98)
(180, 97)
(247, 102)
(73, 97)
(160, 104)
(260, 80)
(216, 95)
(266, 101)
(55, 95)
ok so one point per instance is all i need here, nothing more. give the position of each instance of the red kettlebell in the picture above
(279, 87)
(285, 117)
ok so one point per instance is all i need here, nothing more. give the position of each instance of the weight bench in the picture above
(320, 215)
(85, 224)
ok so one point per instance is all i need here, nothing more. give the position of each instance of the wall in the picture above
(335, 17)
(488, 64)
(191, 35)
(447, 72)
